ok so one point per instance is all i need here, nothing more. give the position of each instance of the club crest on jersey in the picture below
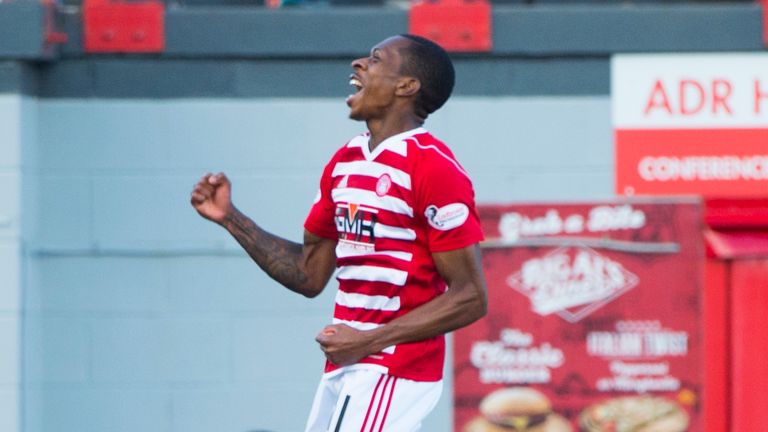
(383, 185)
(447, 217)
(355, 222)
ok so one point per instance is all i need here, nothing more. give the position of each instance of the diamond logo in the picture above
(572, 282)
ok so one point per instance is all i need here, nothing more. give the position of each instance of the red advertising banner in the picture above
(594, 320)
(715, 162)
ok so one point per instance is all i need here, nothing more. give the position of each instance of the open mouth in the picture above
(356, 83)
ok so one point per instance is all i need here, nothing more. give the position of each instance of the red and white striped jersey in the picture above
(390, 209)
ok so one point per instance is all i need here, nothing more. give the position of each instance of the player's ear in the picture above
(408, 86)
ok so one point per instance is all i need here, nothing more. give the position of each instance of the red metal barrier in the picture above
(123, 27)
(739, 214)
(735, 305)
(457, 25)
(749, 338)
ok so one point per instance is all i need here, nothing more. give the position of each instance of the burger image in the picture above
(517, 409)
(634, 414)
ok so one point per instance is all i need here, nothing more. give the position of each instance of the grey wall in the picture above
(11, 260)
(135, 304)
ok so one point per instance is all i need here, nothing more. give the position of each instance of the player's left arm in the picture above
(464, 303)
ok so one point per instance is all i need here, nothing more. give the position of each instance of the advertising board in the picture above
(594, 320)
(691, 124)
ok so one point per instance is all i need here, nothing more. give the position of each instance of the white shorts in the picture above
(369, 401)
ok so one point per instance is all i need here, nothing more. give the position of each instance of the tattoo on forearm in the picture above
(279, 258)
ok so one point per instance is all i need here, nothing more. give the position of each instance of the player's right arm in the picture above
(302, 268)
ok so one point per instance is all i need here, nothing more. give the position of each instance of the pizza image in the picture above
(634, 414)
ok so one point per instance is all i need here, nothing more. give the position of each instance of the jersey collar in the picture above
(395, 143)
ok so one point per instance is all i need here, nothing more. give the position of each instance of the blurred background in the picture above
(122, 310)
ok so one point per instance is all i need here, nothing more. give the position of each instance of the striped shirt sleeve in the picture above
(445, 200)
(320, 220)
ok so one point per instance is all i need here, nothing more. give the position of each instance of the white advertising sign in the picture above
(691, 124)
(726, 90)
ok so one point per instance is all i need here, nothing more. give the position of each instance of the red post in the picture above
(52, 35)
(765, 22)
(716, 398)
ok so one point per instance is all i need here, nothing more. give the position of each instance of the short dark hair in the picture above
(430, 64)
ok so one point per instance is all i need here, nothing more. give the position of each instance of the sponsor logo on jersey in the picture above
(383, 185)
(355, 222)
(447, 217)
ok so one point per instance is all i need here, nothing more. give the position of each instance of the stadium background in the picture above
(122, 310)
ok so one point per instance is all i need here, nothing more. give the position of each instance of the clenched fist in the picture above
(212, 197)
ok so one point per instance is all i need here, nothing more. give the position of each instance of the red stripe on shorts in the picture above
(389, 402)
(381, 399)
(370, 405)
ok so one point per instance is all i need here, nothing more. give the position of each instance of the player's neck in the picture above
(381, 129)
